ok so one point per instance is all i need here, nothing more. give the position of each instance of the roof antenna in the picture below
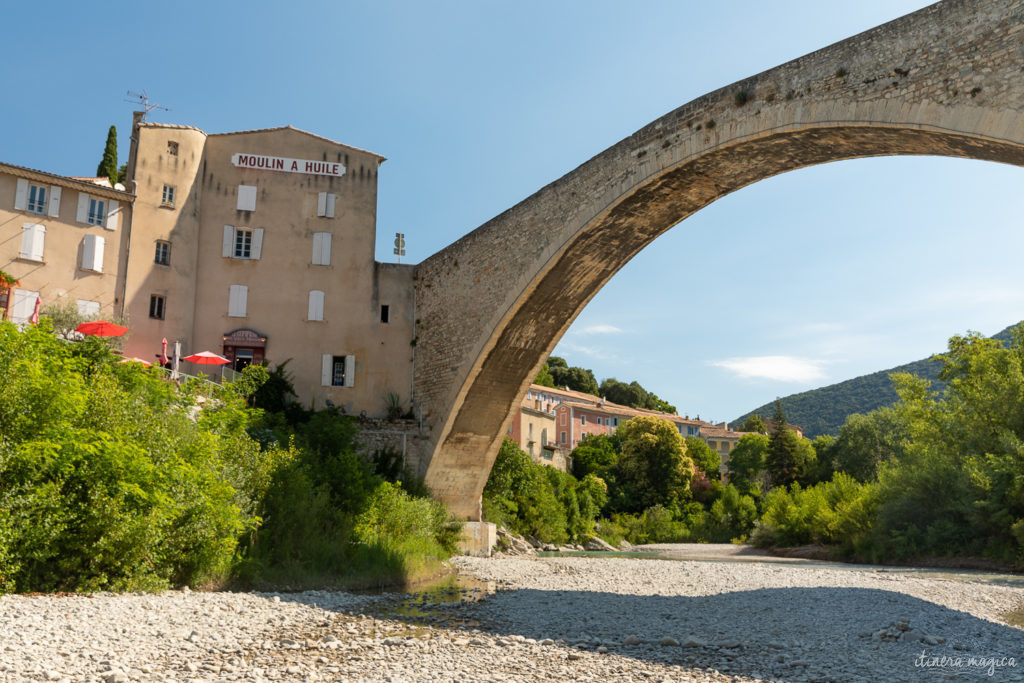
(142, 99)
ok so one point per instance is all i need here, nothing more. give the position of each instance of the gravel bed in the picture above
(551, 619)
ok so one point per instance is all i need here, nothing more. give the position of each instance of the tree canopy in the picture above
(108, 164)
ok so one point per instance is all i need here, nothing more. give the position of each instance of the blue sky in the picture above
(799, 281)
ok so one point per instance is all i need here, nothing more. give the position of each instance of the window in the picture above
(562, 418)
(24, 305)
(530, 429)
(163, 253)
(92, 253)
(156, 307)
(543, 437)
(321, 248)
(246, 197)
(583, 419)
(33, 236)
(237, 296)
(168, 198)
(563, 437)
(385, 313)
(242, 243)
(316, 306)
(88, 309)
(36, 198)
(172, 148)
(97, 211)
(29, 197)
(338, 371)
(325, 204)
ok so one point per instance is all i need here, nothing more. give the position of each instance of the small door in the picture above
(243, 359)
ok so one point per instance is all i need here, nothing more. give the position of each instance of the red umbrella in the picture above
(206, 358)
(163, 351)
(101, 328)
(34, 319)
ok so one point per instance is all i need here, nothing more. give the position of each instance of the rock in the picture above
(602, 649)
(573, 656)
(932, 640)
(534, 542)
(631, 640)
(625, 545)
(550, 548)
(668, 641)
(547, 641)
(598, 544)
(693, 642)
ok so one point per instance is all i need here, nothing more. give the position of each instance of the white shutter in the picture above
(321, 248)
(83, 208)
(21, 195)
(316, 305)
(246, 197)
(321, 204)
(330, 205)
(88, 309)
(236, 301)
(257, 243)
(33, 237)
(24, 305)
(54, 201)
(326, 369)
(92, 253)
(113, 214)
(350, 371)
(228, 249)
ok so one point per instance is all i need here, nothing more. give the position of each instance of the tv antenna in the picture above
(142, 99)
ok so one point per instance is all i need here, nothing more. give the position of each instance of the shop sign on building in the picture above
(307, 166)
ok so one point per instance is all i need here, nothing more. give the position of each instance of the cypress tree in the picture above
(782, 458)
(108, 165)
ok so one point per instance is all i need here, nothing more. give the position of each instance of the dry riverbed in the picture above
(561, 618)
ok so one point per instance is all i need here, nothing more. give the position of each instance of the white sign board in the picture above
(307, 166)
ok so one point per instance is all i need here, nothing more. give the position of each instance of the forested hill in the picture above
(823, 411)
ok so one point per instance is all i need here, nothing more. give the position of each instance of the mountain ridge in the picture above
(823, 410)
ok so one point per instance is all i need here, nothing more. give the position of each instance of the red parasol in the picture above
(163, 351)
(34, 319)
(206, 358)
(101, 328)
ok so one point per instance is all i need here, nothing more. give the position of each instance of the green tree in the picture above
(747, 463)
(782, 459)
(754, 424)
(654, 468)
(576, 378)
(705, 458)
(108, 164)
(544, 377)
(866, 441)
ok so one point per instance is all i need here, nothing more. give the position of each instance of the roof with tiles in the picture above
(90, 184)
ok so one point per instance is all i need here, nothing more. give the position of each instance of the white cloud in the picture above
(601, 329)
(779, 368)
(569, 349)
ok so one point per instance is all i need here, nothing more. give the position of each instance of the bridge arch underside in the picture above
(462, 461)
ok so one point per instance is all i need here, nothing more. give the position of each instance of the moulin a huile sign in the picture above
(307, 166)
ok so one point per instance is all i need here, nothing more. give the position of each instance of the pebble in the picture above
(552, 616)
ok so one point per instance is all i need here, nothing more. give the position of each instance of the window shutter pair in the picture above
(246, 197)
(237, 298)
(21, 198)
(325, 204)
(113, 211)
(228, 243)
(321, 248)
(327, 370)
(316, 305)
(92, 253)
(33, 237)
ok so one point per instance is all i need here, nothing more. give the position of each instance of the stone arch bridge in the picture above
(947, 80)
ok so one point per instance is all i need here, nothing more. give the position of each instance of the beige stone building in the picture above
(65, 240)
(259, 245)
(255, 245)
